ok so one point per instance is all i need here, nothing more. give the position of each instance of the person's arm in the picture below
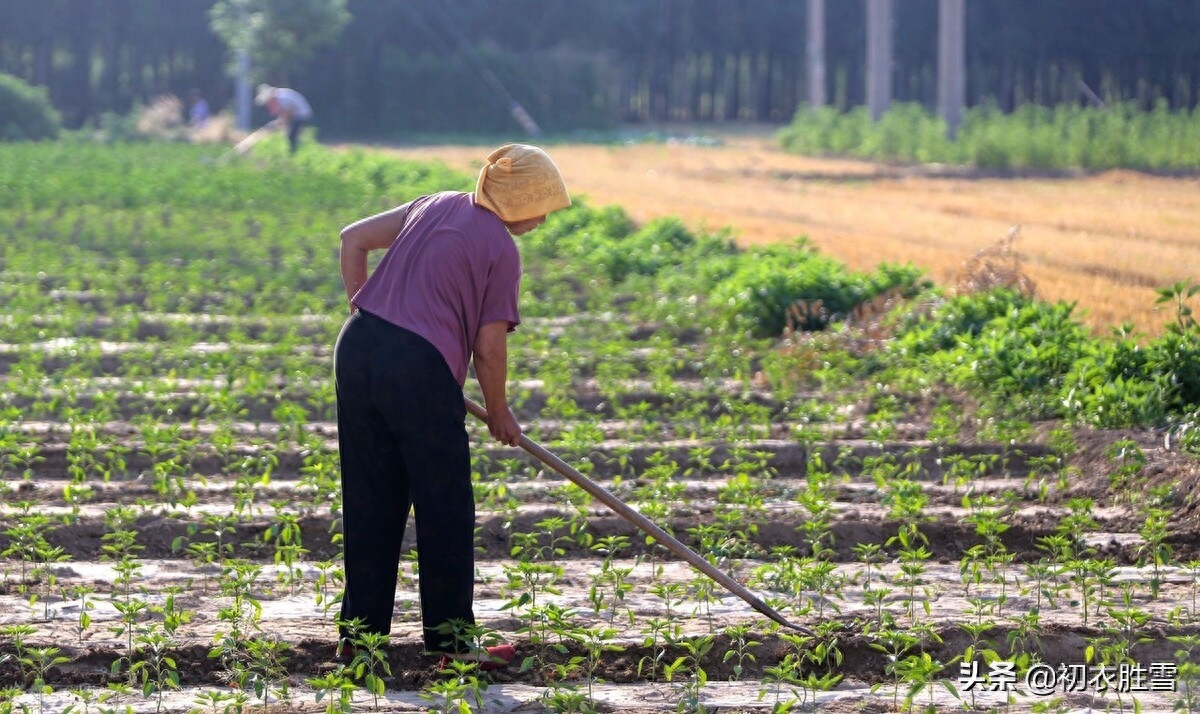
(361, 237)
(273, 110)
(491, 369)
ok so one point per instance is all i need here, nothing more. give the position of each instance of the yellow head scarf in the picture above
(520, 182)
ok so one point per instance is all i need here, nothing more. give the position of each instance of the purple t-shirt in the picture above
(453, 268)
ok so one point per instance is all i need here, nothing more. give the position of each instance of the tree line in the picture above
(459, 65)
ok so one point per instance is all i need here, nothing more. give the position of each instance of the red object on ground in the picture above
(501, 656)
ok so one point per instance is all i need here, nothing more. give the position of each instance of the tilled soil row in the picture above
(779, 497)
(413, 668)
(611, 459)
(123, 356)
(168, 327)
(191, 404)
(157, 537)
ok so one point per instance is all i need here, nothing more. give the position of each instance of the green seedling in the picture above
(740, 646)
(370, 664)
(337, 690)
(220, 702)
(35, 663)
(658, 633)
(460, 690)
(689, 670)
(155, 669)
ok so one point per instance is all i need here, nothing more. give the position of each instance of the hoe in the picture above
(645, 524)
(244, 146)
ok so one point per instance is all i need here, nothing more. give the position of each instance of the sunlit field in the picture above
(1106, 241)
(970, 506)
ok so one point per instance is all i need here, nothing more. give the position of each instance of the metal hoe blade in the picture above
(645, 524)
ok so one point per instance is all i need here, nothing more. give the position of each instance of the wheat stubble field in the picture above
(1106, 241)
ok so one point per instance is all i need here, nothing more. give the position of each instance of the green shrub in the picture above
(576, 232)
(607, 241)
(908, 133)
(1026, 355)
(25, 112)
(1018, 355)
(1013, 352)
(661, 243)
(1032, 136)
(960, 318)
(1175, 357)
(766, 282)
(824, 130)
(1123, 384)
(1111, 386)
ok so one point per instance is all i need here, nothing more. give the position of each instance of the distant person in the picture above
(445, 294)
(287, 106)
(198, 111)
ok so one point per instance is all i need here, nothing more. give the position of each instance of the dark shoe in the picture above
(498, 657)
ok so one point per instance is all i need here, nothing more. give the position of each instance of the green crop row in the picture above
(1037, 137)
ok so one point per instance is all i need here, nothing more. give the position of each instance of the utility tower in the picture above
(952, 78)
(816, 53)
(242, 90)
(879, 56)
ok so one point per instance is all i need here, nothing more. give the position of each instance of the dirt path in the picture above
(1106, 241)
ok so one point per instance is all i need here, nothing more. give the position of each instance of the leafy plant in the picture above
(337, 687)
(156, 669)
(28, 113)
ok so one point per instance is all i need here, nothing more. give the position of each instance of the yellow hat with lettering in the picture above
(520, 182)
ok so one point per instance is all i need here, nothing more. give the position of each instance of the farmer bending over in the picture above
(445, 291)
(289, 108)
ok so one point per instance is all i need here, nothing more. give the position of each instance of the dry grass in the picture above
(163, 119)
(219, 129)
(997, 266)
(1105, 241)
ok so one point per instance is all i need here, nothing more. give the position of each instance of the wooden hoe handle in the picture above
(625, 511)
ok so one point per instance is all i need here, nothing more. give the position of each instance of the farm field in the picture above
(169, 527)
(1104, 240)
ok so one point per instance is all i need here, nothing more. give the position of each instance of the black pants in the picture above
(403, 442)
(294, 127)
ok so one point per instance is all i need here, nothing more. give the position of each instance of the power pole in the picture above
(952, 76)
(816, 53)
(879, 56)
(242, 90)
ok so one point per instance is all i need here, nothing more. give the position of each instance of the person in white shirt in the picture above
(289, 107)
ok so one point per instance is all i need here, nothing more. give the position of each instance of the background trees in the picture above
(25, 111)
(423, 65)
(278, 35)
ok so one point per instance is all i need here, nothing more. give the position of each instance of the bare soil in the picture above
(293, 615)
